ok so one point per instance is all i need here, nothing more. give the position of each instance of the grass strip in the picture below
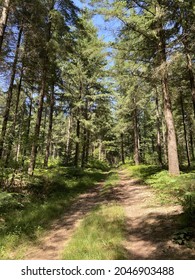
(99, 236)
(101, 233)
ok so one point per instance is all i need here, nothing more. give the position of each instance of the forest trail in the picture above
(52, 244)
(149, 225)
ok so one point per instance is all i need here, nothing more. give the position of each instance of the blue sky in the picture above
(105, 29)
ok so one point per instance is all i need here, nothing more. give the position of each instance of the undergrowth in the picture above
(27, 211)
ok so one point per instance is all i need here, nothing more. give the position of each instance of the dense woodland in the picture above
(61, 99)
(70, 97)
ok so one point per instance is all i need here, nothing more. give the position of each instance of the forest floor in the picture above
(149, 226)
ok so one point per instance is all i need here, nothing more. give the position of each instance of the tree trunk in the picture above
(122, 149)
(185, 131)
(10, 93)
(85, 135)
(19, 133)
(67, 156)
(3, 21)
(26, 141)
(49, 134)
(164, 138)
(136, 135)
(192, 143)
(13, 127)
(41, 98)
(78, 127)
(173, 161)
(158, 122)
(76, 161)
(53, 150)
(87, 146)
(186, 26)
(38, 124)
(100, 149)
(18, 151)
(83, 159)
(191, 78)
(42, 148)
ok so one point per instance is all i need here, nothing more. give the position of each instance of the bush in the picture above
(98, 164)
(189, 204)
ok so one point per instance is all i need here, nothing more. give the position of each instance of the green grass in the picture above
(99, 237)
(25, 215)
(142, 172)
(101, 233)
(111, 181)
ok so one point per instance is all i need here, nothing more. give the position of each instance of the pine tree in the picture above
(3, 20)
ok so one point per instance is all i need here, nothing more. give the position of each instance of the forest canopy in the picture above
(63, 100)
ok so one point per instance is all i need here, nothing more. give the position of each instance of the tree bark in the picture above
(100, 149)
(10, 93)
(3, 21)
(42, 148)
(77, 148)
(49, 134)
(173, 161)
(19, 133)
(68, 150)
(191, 78)
(83, 159)
(85, 134)
(122, 149)
(78, 127)
(187, 21)
(41, 96)
(158, 122)
(26, 141)
(136, 135)
(192, 142)
(13, 127)
(87, 146)
(164, 138)
(38, 123)
(185, 131)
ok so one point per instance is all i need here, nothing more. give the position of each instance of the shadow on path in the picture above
(51, 245)
(149, 227)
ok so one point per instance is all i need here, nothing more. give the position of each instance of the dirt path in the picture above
(52, 245)
(149, 227)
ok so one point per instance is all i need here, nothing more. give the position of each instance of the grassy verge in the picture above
(101, 233)
(26, 213)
